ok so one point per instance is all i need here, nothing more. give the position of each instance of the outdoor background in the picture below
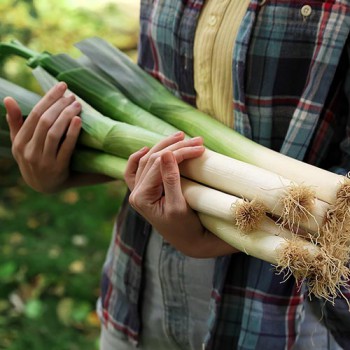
(52, 247)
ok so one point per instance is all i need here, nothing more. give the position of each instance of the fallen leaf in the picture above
(5, 214)
(17, 302)
(33, 223)
(64, 310)
(77, 267)
(93, 319)
(58, 290)
(54, 252)
(70, 197)
(16, 238)
(79, 240)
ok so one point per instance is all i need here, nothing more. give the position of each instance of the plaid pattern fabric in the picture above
(282, 100)
(289, 74)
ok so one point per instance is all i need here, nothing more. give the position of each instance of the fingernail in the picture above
(61, 86)
(197, 138)
(143, 149)
(167, 158)
(76, 104)
(179, 133)
(76, 122)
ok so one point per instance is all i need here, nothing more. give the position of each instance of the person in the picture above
(277, 72)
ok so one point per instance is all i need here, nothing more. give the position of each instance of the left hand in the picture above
(153, 178)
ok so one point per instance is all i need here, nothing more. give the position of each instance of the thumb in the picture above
(14, 116)
(171, 179)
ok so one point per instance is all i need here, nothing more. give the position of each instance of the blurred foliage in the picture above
(55, 26)
(52, 247)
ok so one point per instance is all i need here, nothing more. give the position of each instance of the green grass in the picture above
(52, 248)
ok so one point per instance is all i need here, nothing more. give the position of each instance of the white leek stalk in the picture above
(248, 181)
(307, 262)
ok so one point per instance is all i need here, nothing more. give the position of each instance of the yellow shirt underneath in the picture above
(216, 32)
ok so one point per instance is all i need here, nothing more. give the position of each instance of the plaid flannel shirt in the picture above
(290, 87)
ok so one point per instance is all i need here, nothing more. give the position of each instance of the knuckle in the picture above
(132, 200)
(68, 112)
(15, 154)
(17, 148)
(172, 177)
(45, 122)
(52, 136)
(143, 161)
(133, 158)
(35, 113)
(29, 157)
(153, 157)
(51, 95)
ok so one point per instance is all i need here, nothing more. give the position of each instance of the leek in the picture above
(307, 262)
(27, 99)
(89, 86)
(99, 131)
(149, 94)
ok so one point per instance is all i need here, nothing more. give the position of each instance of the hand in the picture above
(153, 178)
(43, 143)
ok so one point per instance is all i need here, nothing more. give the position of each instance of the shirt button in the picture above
(212, 20)
(306, 10)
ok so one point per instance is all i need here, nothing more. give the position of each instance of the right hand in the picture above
(43, 144)
(153, 177)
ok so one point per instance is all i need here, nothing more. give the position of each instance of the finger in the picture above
(150, 158)
(168, 141)
(68, 145)
(171, 179)
(13, 116)
(54, 94)
(132, 166)
(158, 147)
(50, 128)
(188, 153)
(152, 178)
(150, 189)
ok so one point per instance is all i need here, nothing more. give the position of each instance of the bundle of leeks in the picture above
(239, 168)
